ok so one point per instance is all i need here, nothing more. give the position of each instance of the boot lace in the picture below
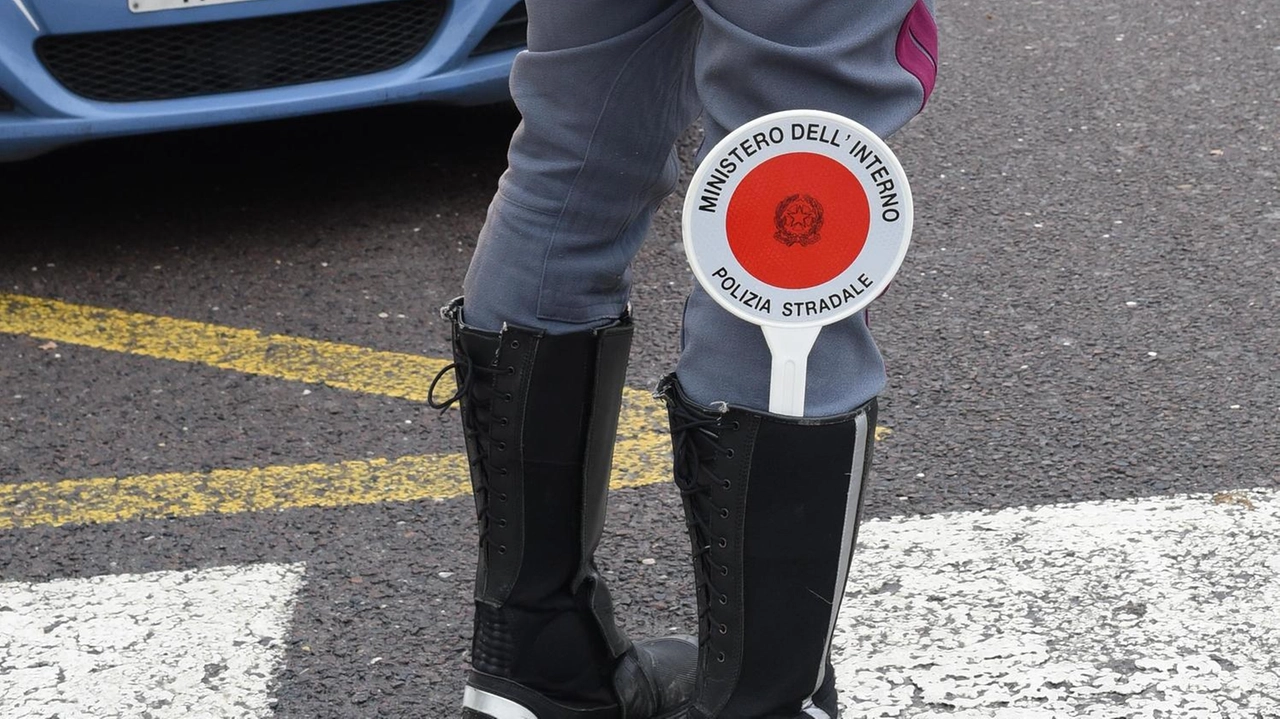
(696, 445)
(475, 394)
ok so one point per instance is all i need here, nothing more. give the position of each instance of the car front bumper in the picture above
(42, 114)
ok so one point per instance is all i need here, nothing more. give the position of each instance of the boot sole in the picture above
(481, 704)
(468, 713)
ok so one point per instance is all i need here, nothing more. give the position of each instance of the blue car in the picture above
(74, 70)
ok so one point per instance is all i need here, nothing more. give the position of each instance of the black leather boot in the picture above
(540, 414)
(772, 504)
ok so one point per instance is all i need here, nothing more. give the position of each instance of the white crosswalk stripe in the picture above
(1158, 608)
(1148, 609)
(202, 644)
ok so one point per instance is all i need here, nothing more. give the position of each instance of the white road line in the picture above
(201, 644)
(1147, 609)
(1144, 609)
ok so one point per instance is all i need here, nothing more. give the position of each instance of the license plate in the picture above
(154, 5)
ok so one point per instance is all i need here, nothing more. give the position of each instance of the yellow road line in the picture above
(344, 366)
(641, 461)
(226, 491)
(642, 455)
(349, 367)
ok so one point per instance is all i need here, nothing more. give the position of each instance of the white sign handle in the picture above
(790, 347)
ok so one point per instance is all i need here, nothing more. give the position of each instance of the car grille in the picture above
(508, 33)
(237, 55)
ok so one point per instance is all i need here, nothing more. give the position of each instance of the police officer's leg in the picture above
(541, 348)
(773, 502)
(605, 89)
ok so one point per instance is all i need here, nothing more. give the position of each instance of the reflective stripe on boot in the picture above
(540, 416)
(772, 504)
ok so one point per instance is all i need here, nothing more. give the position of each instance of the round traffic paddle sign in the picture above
(797, 219)
(794, 221)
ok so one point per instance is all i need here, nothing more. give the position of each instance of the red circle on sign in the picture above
(798, 220)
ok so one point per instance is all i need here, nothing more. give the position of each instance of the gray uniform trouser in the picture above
(606, 88)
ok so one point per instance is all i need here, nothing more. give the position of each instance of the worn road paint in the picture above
(349, 367)
(203, 643)
(639, 461)
(642, 455)
(1139, 609)
(231, 491)
(343, 366)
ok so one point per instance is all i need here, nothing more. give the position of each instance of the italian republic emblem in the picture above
(798, 221)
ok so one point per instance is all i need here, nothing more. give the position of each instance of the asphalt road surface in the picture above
(222, 495)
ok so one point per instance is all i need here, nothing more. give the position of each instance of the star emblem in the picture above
(798, 220)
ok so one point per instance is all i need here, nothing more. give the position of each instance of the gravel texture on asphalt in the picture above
(1087, 312)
